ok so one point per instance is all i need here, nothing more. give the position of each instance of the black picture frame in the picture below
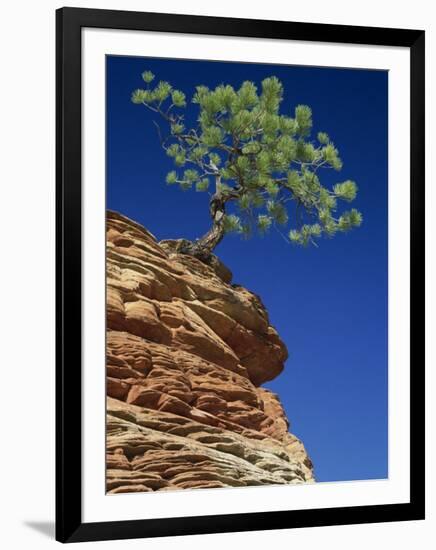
(69, 525)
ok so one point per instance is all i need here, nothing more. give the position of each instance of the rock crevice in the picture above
(186, 355)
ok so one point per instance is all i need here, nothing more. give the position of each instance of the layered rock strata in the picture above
(187, 352)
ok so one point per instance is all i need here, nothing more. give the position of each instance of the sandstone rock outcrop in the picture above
(187, 352)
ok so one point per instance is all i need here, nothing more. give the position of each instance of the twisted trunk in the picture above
(202, 248)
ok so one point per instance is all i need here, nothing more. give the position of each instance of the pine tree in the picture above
(262, 162)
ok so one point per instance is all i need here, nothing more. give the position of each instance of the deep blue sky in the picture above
(329, 304)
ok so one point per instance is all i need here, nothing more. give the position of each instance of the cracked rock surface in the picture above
(187, 352)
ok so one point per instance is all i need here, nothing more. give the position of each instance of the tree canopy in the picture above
(262, 167)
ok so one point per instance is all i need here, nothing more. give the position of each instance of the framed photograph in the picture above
(240, 275)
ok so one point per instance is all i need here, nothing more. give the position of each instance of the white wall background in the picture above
(27, 118)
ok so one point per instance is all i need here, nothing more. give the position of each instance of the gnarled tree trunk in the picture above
(202, 248)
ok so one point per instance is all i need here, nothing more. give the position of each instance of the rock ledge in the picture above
(186, 355)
